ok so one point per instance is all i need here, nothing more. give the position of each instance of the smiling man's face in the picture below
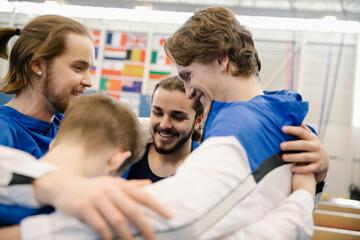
(172, 120)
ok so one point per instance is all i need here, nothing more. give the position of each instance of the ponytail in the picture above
(5, 35)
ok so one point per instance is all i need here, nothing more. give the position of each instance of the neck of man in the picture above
(165, 165)
(69, 157)
(32, 103)
(237, 88)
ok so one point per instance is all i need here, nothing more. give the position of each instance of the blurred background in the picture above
(312, 46)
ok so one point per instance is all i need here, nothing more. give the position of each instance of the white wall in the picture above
(356, 157)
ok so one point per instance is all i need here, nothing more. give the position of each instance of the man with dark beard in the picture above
(174, 121)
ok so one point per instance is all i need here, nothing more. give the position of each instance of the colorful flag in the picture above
(154, 57)
(160, 58)
(112, 69)
(107, 84)
(115, 54)
(137, 55)
(131, 86)
(95, 34)
(156, 75)
(111, 73)
(92, 70)
(116, 39)
(131, 70)
(136, 40)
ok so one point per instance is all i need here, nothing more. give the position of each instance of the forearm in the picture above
(10, 233)
(19, 169)
(291, 220)
(199, 185)
(208, 176)
(44, 189)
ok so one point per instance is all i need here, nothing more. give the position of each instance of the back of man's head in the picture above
(97, 121)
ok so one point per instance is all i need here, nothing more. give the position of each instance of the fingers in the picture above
(300, 145)
(304, 157)
(92, 217)
(114, 217)
(108, 202)
(302, 132)
(131, 209)
(306, 150)
(147, 200)
(139, 183)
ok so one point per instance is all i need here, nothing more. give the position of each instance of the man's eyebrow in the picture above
(179, 113)
(82, 62)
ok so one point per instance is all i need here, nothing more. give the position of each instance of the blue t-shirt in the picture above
(257, 124)
(30, 135)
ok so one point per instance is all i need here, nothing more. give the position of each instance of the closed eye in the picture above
(157, 113)
(185, 76)
(179, 116)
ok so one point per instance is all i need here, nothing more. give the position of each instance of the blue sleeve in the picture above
(13, 214)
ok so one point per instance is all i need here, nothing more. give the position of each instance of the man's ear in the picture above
(37, 67)
(116, 160)
(199, 120)
(223, 63)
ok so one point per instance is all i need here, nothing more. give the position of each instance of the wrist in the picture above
(304, 182)
(310, 188)
(44, 190)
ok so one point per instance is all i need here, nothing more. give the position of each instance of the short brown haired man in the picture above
(98, 136)
(101, 128)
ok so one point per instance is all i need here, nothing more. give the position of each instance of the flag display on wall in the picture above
(161, 65)
(121, 64)
(122, 68)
